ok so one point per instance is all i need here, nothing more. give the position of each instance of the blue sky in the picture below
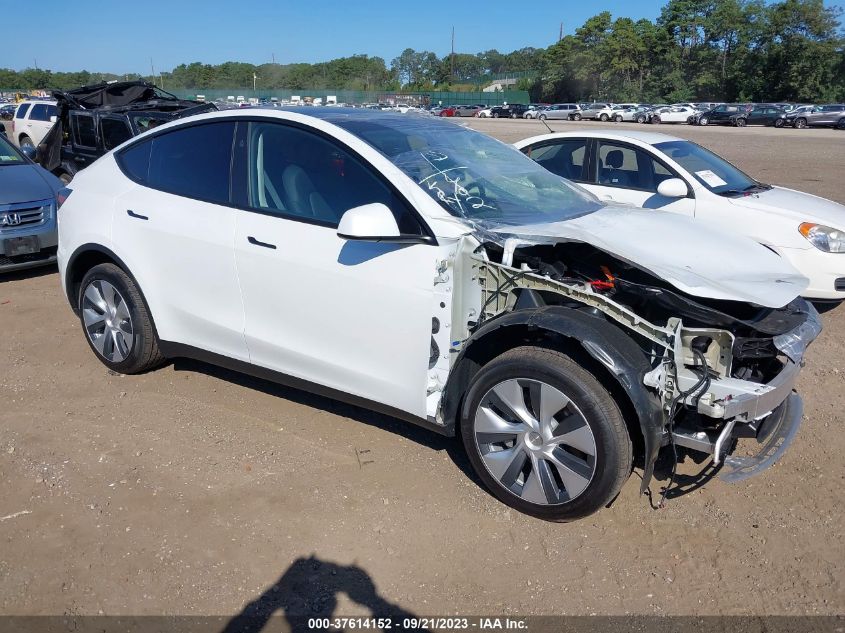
(122, 37)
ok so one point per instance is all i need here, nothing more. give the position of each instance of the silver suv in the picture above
(601, 111)
(831, 115)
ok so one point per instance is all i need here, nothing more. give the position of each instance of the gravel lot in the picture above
(193, 490)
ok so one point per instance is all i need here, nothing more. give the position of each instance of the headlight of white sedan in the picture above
(824, 238)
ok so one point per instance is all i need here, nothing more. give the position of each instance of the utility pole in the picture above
(254, 78)
(560, 37)
(274, 58)
(36, 63)
(452, 58)
(152, 71)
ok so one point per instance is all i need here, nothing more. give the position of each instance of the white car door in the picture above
(176, 235)
(352, 316)
(625, 173)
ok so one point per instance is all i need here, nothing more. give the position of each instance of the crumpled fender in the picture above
(618, 353)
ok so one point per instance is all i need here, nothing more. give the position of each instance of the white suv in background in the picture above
(32, 121)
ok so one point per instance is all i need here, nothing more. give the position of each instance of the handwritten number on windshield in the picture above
(445, 183)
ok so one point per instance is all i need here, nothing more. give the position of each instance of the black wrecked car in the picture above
(723, 114)
(95, 119)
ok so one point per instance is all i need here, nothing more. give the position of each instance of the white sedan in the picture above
(673, 114)
(665, 173)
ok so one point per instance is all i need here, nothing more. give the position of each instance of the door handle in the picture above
(256, 242)
(138, 216)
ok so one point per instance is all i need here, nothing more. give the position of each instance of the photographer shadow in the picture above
(309, 589)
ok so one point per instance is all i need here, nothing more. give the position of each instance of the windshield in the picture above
(712, 171)
(470, 174)
(8, 155)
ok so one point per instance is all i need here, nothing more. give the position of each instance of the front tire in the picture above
(800, 123)
(618, 118)
(544, 435)
(655, 120)
(116, 321)
(576, 117)
(703, 120)
(603, 118)
(25, 141)
(641, 119)
(778, 123)
(495, 115)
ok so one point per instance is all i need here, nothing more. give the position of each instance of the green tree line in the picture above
(695, 50)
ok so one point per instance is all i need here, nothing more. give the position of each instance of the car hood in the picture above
(802, 207)
(696, 259)
(26, 183)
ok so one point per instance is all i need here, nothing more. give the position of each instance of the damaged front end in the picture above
(717, 370)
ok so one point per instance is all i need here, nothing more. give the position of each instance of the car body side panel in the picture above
(183, 259)
(353, 316)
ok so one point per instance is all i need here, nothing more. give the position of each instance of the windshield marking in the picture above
(476, 202)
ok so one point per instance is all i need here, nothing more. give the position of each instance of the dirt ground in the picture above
(192, 490)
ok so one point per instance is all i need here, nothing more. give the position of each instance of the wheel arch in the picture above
(83, 259)
(599, 346)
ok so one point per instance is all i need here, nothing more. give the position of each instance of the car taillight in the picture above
(61, 196)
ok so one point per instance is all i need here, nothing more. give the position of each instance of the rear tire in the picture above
(641, 119)
(578, 458)
(604, 118)
(740, 122)
(116, 322)
(655, 120)
(778, 123)
(800, 123)
(618, 118)
(840, 124)
(703, 120)
(25, 141)
(576, 117)
(495, 115)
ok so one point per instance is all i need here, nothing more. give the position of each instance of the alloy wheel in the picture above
(108, 323)
(535, 441)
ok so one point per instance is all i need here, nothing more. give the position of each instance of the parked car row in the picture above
(738, 115)
(513, 298)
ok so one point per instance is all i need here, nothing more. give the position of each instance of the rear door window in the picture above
(22, 110)
(564, 158)
(42, 112)
(191, 161)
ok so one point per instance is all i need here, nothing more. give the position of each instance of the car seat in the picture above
(302, 196)
(612, 172)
